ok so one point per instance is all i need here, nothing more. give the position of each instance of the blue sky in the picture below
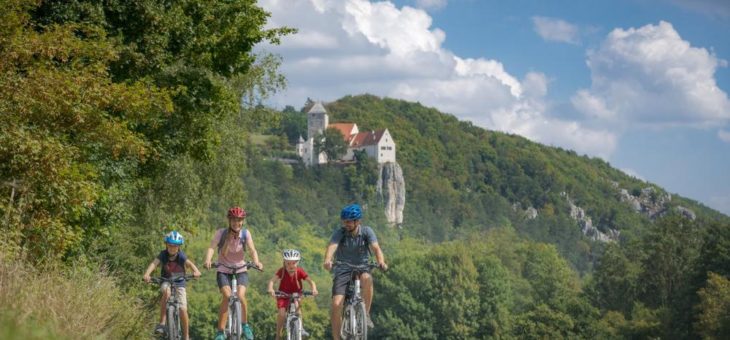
(642, 84)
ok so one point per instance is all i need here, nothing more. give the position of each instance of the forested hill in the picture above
(461, 178)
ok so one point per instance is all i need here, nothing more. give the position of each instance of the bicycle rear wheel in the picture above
(171, 324)
(361, 322)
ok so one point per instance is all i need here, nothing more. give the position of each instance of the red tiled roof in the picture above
(367, 138)
(345, 129)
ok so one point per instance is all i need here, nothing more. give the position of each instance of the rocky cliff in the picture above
(391, 190)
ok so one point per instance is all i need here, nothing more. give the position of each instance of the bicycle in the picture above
(293, 324)
(354, 313)
(234, 329)
(173, 328)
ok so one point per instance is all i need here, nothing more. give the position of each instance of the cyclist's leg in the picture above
(339, 289)
(242, 284)
(244, 305)
(280, 318)
(164, 296)
(337, 305)
(183, 299)
(366, 285)
(225, 289)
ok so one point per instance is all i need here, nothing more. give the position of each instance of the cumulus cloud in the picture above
(360, 46)
(724, 135)
(651, 76)
(552, 29)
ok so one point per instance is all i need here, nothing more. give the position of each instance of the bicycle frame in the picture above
(354, 307)
(234, 328)
(173, 329)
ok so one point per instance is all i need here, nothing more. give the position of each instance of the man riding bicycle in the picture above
(353, 243)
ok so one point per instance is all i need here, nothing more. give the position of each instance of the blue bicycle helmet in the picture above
(351, 212)
(174, 238)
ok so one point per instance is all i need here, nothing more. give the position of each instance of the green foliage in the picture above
(64, 126)
(615, 281)
(713, 321)
(332, 143)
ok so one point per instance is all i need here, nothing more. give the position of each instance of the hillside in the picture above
(461, 178)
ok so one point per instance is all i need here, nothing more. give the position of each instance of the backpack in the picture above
(243, 234)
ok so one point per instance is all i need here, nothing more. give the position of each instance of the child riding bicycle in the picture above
(173, 263)
(230, 244)
(290, 277)
(353, 244)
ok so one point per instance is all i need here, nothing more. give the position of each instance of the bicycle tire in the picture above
(361, 323)
(172, 329)
(295, 325)
(236, 327)
(345, 326)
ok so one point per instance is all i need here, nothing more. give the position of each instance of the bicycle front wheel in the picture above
(346, 326)
(172, 328)
(294, 329)
(361, 322)
(236, 328)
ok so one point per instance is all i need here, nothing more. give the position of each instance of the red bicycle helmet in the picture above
(236, 212)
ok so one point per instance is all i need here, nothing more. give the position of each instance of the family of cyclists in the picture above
(353, 244)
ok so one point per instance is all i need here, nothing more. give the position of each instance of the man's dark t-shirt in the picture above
(353, 249)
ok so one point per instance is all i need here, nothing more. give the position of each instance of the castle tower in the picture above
(317, 120)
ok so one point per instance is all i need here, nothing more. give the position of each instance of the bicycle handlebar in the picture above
(281, 294)
(160, 280)
(235, 269)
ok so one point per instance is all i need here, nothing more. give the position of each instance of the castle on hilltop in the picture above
(378, 144)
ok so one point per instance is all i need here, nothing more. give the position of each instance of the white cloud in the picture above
(431, 4)
(360, 46)
(552, 29)
(651, 76)
(724, 135)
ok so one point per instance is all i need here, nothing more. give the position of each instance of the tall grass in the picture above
(68, 303)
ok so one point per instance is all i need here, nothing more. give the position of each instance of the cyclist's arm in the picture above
(329, 252)
(192, 266)
(150, 268)
(311, 284)
(274, 280)
(379, 257)
(208, 258)
(254, 253)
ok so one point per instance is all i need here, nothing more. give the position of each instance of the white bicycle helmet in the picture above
(291, 255)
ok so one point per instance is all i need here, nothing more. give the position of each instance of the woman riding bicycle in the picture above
(173, 262)
(289, 278)
(352, 244)
(230, 244)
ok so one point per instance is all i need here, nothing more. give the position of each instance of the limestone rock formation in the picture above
(391, 190)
